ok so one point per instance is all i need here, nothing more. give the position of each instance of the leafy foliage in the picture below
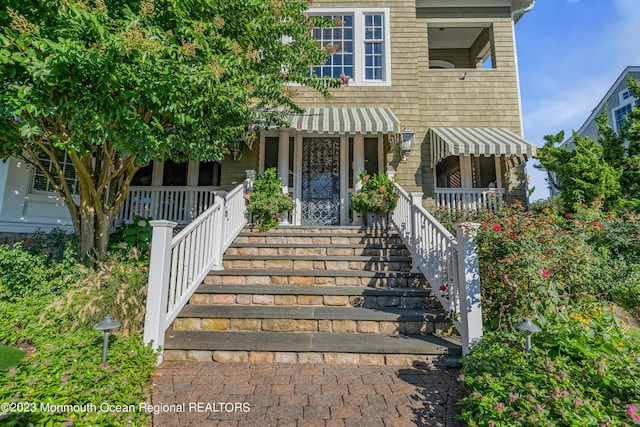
(267, 201)
(135, 235)
(114, 85)
(24, 273)
(562, 271)
(607, 170)
(64, 367)
(376, 195)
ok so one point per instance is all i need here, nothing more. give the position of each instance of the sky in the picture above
(570, 52)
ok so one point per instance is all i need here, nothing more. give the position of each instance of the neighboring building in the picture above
(619, 102)
(447, 70)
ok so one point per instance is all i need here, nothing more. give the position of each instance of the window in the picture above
(448, 173)
(461, 46)
(41, 183)
(483, 169)
(360, 42)
(143, 176)
(209, 174)
(174, 174)
(625, 95)
(621, 114)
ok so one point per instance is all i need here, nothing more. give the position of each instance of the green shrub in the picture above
(562, 271)
(65, 367)
(24, 273)
(57, 245)
(68, 371)
(266, 201)
(376, 195)
(134, 235)
(583, 371)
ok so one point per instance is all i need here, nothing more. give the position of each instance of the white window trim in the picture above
(358, 40)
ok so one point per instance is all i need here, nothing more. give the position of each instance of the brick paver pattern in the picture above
(245, 394)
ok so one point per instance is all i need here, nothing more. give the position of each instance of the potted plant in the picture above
(375, 199)
(266, 201)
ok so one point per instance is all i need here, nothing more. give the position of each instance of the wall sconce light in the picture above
(106, 324)
(528, 327)
(406, 143)
(236, 151)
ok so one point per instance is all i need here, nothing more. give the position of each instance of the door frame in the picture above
(296, 168)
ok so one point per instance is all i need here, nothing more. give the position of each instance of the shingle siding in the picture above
(422, 98)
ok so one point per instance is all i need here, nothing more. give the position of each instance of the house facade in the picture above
(441, 75)
(619, 102)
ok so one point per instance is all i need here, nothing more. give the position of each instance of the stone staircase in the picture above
(313, 295)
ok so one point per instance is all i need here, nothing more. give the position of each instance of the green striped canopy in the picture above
(456, 141)
(342, 121)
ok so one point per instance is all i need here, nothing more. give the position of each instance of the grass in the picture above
(9, 357)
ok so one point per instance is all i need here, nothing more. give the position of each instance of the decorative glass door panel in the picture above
(320, 181)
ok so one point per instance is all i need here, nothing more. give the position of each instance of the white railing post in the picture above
(158, 285)
(220, 226)
(416, 202)
(469, 287)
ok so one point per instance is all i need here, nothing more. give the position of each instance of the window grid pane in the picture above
(41, 183)
(341, 38)
(374, 49)
(621, 115)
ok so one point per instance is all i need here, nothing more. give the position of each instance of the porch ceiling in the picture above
(456, 141)
(343, 121)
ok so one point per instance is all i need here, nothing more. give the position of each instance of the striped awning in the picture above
(343, 121)
(458, 141)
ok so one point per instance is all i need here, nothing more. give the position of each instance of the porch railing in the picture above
(449, 264)
(179, 264)
(473, 199)
(181, 204)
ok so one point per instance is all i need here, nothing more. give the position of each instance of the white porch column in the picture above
(283, 159)
(358, 165)
(283, 164)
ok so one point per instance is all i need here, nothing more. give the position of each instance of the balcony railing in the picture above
(179, 204)
(472, 199)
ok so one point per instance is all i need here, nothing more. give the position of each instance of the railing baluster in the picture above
(441, 258)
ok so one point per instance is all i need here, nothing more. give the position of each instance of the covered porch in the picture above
(472, 166)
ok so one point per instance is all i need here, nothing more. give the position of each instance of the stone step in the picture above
(346, 296)
(318, 262)
(387, 320)
(253, 276)
(305, 347)
(360, 249)
(320, 238)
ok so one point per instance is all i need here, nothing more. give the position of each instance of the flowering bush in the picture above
(562, 271)
(267, 201)
(376, 195)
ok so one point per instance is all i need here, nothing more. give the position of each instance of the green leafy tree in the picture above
(113, 85)
(582, 174)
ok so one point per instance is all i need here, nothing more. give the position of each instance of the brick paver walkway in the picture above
(243, 394)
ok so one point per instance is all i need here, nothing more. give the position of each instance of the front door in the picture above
(320, 199)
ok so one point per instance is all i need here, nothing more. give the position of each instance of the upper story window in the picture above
(41, 183)
(359, 42)
(621, 114)
(456, 45)
(625, 95)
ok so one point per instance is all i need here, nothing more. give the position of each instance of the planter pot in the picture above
(377, 220)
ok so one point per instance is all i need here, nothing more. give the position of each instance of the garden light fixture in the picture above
(106, 324)
(406, 143)
(528, 327)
